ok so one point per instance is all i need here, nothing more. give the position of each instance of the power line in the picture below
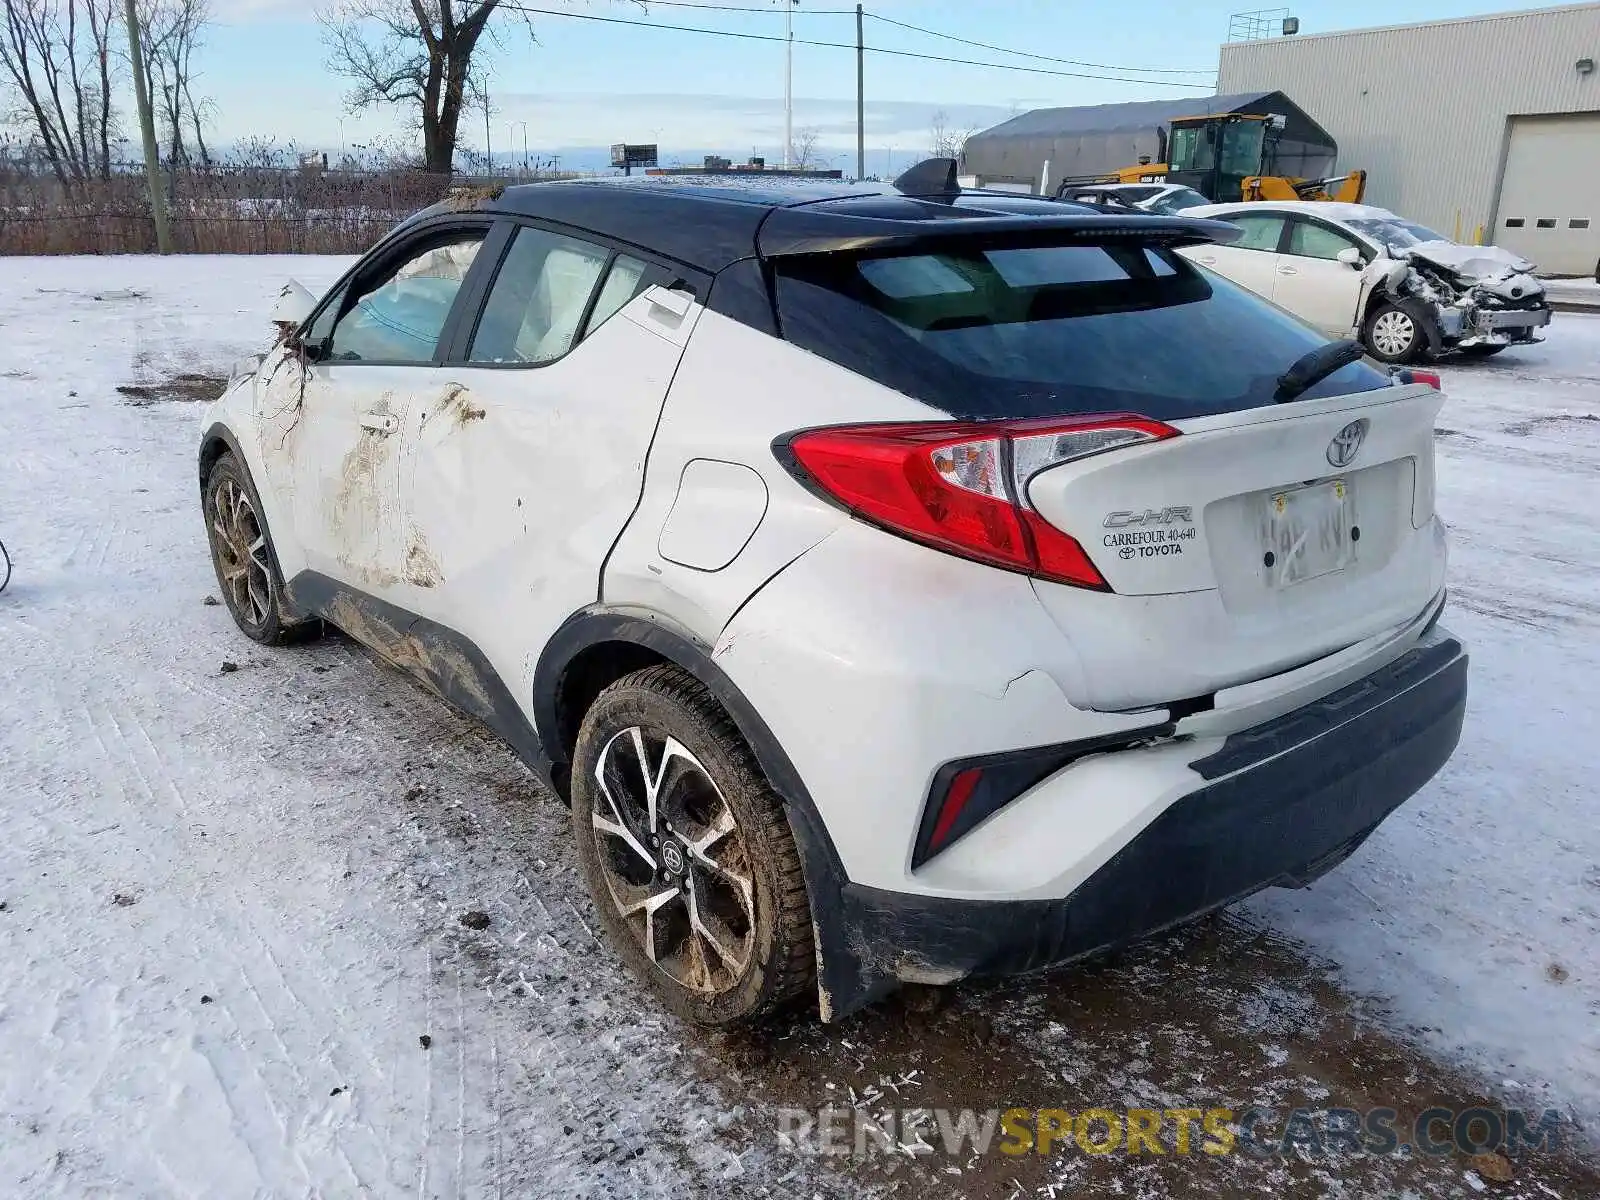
(1071, 62)
(764, 37)
(745, 8)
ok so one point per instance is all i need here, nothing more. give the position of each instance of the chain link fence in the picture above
(246, 210)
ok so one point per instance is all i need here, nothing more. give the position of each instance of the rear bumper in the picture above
(1281, 804)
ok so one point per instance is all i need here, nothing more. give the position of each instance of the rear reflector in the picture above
(968, 791)
(962, 486)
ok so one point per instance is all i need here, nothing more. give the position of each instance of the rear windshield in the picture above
(986, 334)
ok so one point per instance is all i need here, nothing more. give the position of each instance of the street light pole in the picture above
(488, 141)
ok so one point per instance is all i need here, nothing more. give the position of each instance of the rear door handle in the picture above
(1209, 262)
(1288, 271)
(383, 423)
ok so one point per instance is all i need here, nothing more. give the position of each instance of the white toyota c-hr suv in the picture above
(901, 584)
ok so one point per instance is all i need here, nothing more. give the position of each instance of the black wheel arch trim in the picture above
(845, 979)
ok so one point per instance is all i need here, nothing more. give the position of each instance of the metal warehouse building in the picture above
(1490, 122)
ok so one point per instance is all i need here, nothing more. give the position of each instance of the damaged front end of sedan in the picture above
(1475, 298)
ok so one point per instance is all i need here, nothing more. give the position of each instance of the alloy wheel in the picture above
(674, 860)
(1393, 332)
(241, 550)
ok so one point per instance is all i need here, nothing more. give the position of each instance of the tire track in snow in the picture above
(235, 922)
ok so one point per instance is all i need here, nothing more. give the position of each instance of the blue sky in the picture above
(588, 84)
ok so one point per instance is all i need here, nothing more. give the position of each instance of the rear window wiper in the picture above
(1311, 369)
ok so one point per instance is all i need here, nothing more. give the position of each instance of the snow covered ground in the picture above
(232, 960)
(1474, 914)
(1574, 291)
(232, 900)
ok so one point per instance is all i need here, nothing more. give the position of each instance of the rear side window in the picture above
(539, 299)
(987, 334)
(624, 281)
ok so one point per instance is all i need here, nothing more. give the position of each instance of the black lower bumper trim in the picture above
(1287, 802)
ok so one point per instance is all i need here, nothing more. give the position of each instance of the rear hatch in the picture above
(1239, 550)
(1233, 529)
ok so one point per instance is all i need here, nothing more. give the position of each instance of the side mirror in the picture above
(248, 365)
(294, 305)
(1350, 257)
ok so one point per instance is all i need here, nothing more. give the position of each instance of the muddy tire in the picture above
(1394, 333)
(687, 853)
(1482, 351)
(241, 552)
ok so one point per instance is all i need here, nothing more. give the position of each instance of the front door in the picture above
(529, 458)
(335, 426)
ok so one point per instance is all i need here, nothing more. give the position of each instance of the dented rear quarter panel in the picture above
(736, 391)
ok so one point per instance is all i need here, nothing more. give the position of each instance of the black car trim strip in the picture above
(1251, 746)
(446, 662)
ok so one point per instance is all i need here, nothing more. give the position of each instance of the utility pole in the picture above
(861, 97)
(788, 80)
(147, 127)
(488, 142)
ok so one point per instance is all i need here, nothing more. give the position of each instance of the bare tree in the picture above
(944, 140)
(55, 56)
(173, 31)
(415, 54)
(803, 153)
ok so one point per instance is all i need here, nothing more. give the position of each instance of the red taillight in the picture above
(961, 486)
(1431, 378)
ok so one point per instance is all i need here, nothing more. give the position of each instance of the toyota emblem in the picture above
(1346, 443)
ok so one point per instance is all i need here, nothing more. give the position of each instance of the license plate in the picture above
(1308, 533)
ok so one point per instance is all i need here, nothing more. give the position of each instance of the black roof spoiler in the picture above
(804, 230)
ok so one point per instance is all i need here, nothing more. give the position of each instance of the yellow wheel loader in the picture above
(1227, 157)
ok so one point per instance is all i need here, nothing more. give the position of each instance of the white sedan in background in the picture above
(1357, 271)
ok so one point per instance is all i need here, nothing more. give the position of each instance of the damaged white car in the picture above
(1357, 271)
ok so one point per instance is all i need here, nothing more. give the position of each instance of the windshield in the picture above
(1177, 201)
(1191, 149)
(1042, 331)
(1395, 233)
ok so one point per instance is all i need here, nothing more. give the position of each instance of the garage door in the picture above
(1550, 198)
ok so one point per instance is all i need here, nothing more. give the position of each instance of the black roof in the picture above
(710, 222)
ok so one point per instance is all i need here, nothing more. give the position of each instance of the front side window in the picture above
(1261, 232)
(984, 334)
(538, 299)
(1317, 241)
(398, 316)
